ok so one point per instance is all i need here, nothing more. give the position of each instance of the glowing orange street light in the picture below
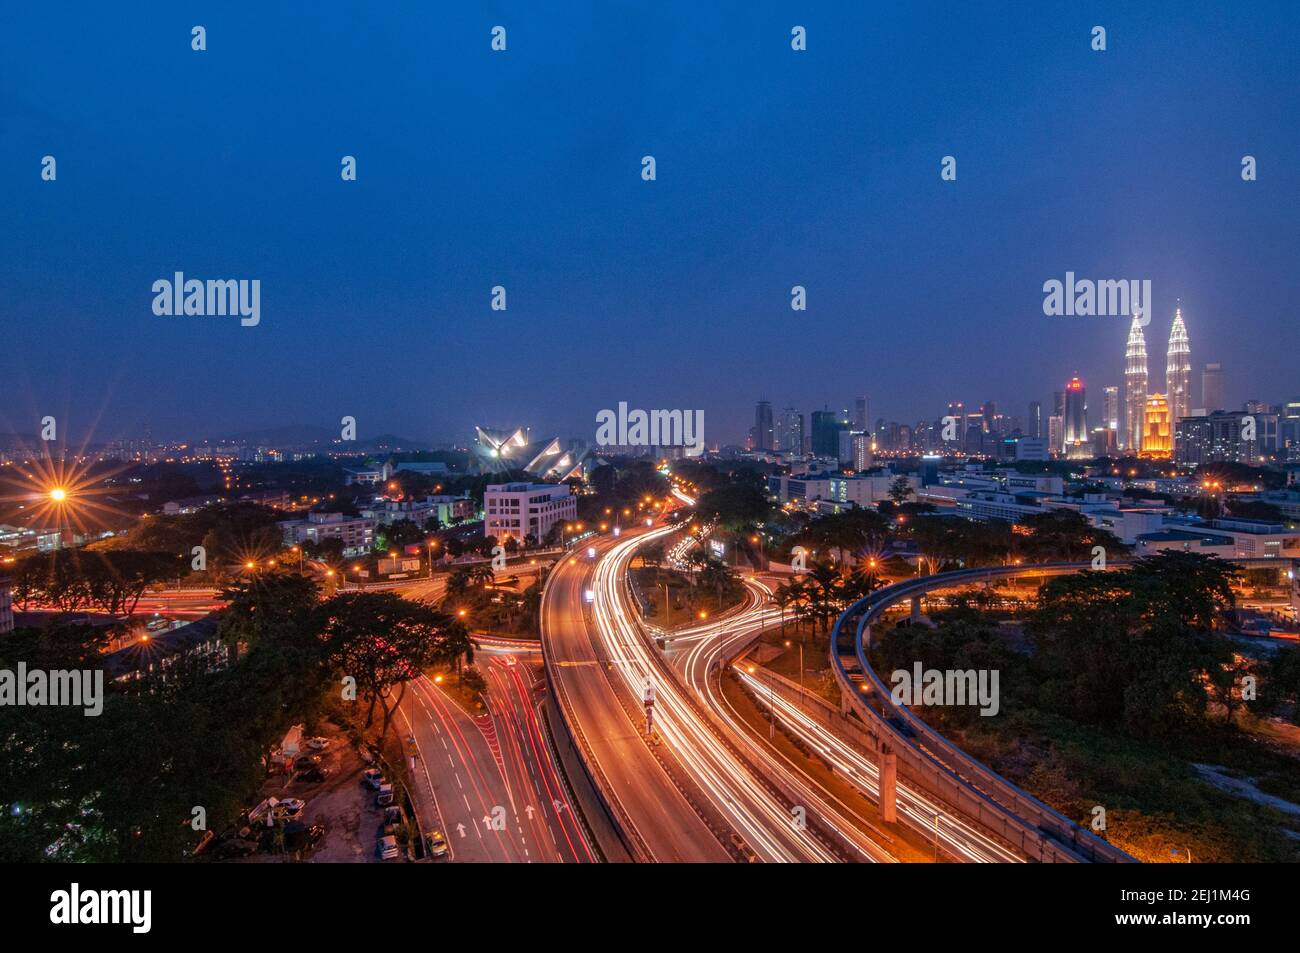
(437, 679)
(250, 564)
(461, 613)
(58, 494)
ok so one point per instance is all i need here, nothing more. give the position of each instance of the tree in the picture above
(900, 490)
(269, 606)
(717, 574)
(1066, 536)
(383, 641)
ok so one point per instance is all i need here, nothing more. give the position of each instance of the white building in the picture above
(371, 473)
(445, 509)
(356, 532)
(521, 510)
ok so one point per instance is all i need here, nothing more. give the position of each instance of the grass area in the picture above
(818, 677)
(907, 845)
(1154, 799)
(685, 600)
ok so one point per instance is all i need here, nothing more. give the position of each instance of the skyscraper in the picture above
(1157, 433)
(1110, 408)
(763, 425)
(1135, 387)
(826, 434)
(860, 423)
(1178, 371)
(1035, 419)
(1212, 388)
(1076, 420)
(789, 431)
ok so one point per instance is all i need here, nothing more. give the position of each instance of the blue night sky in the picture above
(522, 169)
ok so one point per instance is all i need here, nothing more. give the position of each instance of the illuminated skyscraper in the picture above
(1158, 431)
(1178, 371)
(1076, 420)
(1135, 387)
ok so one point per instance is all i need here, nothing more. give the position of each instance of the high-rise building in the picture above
(1055, 433)
(862, 457)
(826, 434)
(1289, 431)
(860, 423)
(1077, 440)
(1058, 403)
(989, 412)
(1212, 388)
(1035, 419)
(1233, 437)
(1178, 370)
(763, 426)
(1110, 408)
(1135, 387)
(789, 431)
(1157, 429)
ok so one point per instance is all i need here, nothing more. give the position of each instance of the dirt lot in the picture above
(341, 804)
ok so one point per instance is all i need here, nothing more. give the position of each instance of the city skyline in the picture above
(395, 269)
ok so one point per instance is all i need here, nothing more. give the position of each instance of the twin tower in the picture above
(1178, 376)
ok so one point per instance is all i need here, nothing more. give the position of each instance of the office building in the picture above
(1212, 388)
(1178, 370)
(524, 510)
(789, 436)
(860, 419)
(1077, 440)
(1135, 388)
(1157, 429)
(763, 435)
(1035, 419)
(1110, 408)
(826, 429)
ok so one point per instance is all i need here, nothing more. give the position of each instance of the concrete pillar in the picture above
(916, 610)
(888, 787)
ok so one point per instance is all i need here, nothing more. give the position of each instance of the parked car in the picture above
(305, 761)
(387, 848)
(437, 844)
(318, 744)
(314, 775)
(372, 778)
(385, 795)
(289, 809)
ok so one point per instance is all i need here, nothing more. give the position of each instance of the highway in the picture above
(753, 794)
(699, 650)
(978, 793)
(660, 823)
(487, 781)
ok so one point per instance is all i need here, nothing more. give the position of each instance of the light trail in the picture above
(765, 824)
(711, 642)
